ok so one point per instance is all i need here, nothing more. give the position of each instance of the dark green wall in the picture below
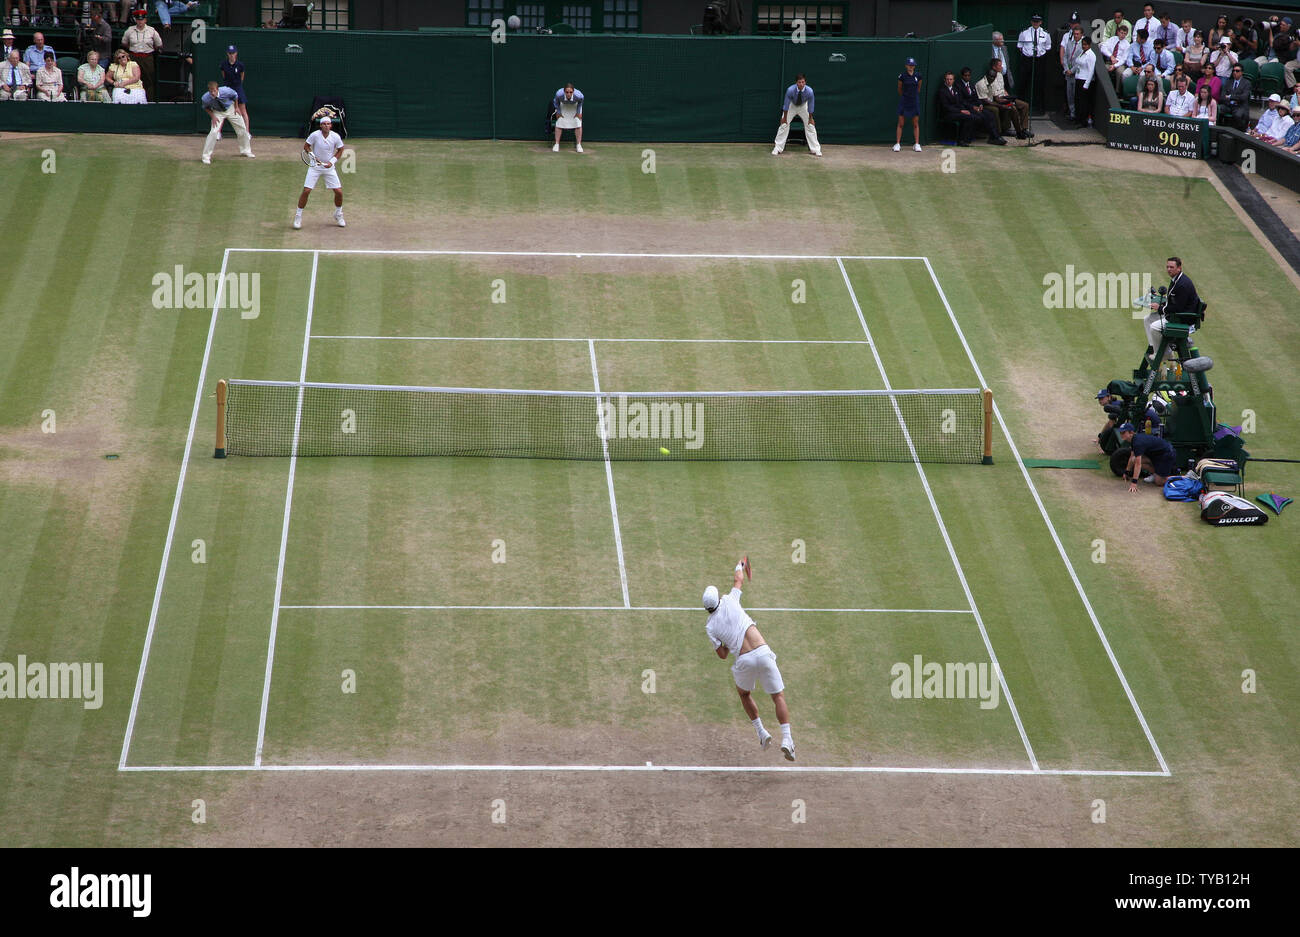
(639, 88)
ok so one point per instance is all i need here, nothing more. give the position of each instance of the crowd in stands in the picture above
(108, 65)
(1158, 65)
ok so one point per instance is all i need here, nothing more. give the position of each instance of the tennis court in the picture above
(498, 613)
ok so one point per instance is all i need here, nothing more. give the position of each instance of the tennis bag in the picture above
(1183, 488)
(1223, 509)
(333, 107)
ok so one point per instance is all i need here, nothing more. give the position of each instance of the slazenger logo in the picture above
(76, 890)
(293, 47)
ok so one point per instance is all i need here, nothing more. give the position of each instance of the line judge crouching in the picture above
(568, 114)
(798, 103)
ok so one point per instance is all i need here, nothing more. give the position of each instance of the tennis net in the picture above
(283, 418)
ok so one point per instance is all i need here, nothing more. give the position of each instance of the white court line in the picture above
(617, 608)
(652, 256)
(699, 769)
(284, 529)
(1092, 615)
(943, 529)
(665, 341)
(609, 476)
(171, 525)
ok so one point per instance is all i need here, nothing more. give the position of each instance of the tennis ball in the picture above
(664, 451)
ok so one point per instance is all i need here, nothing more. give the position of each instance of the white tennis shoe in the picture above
(579, 147)
(338, 216)
(556, 148)
(297, 219)
(917, 147)
(897, 147)
(787, 749)
(765, 740)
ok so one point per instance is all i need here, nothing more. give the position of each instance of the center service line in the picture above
(609, 475)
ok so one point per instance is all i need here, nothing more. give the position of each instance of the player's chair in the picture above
(1229, 447)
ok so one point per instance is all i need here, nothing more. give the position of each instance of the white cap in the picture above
(711, 598)
(1275, 98)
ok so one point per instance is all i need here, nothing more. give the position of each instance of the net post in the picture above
(988, 427)
(221, 420)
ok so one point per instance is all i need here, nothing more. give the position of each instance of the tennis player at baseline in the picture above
(731, 629)
(326, 146)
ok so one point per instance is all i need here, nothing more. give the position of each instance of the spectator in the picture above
(1223, 59)
(1196, 55)
(1113, 25)
(1236, 100)
(119, 12)
(6, 45)
(1151, 98)
(1163, 59)
(1085, 69)
(799, 102)
(985, 117)
(1166, 32)
(90, 77)
(1001, 53)
(124, 76)
(1034, 43)
(1186, 36)
(169, 8)
(49, 80)
(1181, 102)
(15, 79)
(1282, 125)
(101, 35)
(1011, 112)
(1288, 52)
(219, 102)
(950, 109)
(1206, 107)
(1210, 80)
(1292, 141)
(909, 104)
(1070, 50)
(1245, 38)
(1148, 22)
(1264, 125)
(1114, 54)
(141, 40)
(568, 114)
(1152, 456)
(1141, 53)
(1220, 32)
(35, 54)
(232, 77)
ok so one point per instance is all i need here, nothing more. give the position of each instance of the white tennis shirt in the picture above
(728, 623)
(324, 146)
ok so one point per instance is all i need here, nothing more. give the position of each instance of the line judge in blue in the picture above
(798, 103)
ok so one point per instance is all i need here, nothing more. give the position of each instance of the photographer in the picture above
(1179, 301)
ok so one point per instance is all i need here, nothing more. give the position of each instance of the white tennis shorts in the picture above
(758, 665)
(329, 175)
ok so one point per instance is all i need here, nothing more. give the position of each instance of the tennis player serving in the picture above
(321, 150)
(731, 629)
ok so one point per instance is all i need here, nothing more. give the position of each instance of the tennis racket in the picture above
(309, 158)
(745, 564)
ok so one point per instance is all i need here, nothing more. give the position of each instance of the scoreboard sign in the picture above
(1188, 137)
